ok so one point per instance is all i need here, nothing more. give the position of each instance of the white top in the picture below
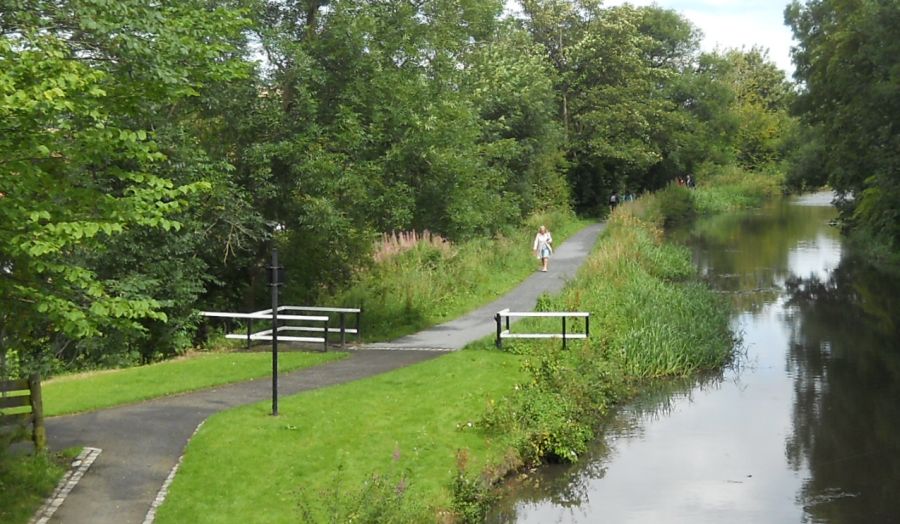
(542, 240)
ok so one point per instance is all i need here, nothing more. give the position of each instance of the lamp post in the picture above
(276, 275)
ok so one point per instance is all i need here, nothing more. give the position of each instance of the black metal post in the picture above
(249, 331)
(325, 338)
(342, 329)
(587, 327)
(358, 333)
(498, 342)
(275, 283)
(564, 332)
(507, 323)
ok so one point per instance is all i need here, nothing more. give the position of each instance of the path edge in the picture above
(164, 489)
(66, 484)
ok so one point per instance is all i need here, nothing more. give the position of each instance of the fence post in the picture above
(342, 329)
(249, 331)
(564, 331)
(587, 326)
(358, 332)
(498, 342)
(325, 338)
(39, 433)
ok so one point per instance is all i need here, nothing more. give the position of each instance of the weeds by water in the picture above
(731, 188)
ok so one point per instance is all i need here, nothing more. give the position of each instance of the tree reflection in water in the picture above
(845, 359)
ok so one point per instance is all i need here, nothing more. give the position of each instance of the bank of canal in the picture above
(804, 428)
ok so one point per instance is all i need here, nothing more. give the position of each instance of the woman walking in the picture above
(542, 247)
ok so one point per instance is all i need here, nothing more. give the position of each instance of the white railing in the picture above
(342, 319)
(266, 315)
(563, 334)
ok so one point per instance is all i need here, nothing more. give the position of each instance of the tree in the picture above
(79, 81)
(846, 61)
(762, 97)
(616, 71)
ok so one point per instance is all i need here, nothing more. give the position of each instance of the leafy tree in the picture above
(78, 167)
(846, 61)
(617, 69)
(762, 96)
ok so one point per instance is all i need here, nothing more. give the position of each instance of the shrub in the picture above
(472, 497)
(382, 498)
(676, 205)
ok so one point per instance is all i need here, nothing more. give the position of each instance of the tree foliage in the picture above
(151, 153)
(846, 61)
(80, 162)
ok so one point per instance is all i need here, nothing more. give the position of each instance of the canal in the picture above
(804, 427)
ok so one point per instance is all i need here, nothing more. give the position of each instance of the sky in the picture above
(735, 23)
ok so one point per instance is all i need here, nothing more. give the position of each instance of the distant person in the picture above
(613, 201)
(541, 247)
(690, 181)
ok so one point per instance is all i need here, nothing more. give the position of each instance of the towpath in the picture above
(141, 443)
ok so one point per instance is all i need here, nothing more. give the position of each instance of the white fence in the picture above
(323, 326)
(563, 334)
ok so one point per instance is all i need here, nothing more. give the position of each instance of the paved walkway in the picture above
(141, 443)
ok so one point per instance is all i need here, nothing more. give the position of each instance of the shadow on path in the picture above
(142, 442)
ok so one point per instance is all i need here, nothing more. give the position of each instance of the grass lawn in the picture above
(246, 466)
(101, 389)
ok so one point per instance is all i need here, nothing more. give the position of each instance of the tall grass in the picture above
(418, 282)
(729, 188)
(25, 480)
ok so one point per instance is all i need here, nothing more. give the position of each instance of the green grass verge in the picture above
(101, 389)
(27, 480)
(431, 284)
(246, 466)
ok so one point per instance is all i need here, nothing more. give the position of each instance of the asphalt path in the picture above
(142, 442)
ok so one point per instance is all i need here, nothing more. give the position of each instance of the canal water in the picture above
(804, 427)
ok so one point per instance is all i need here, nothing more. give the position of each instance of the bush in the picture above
(472, 497)
(676, 205)
(383, 498)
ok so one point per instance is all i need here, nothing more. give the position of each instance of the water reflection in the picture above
(845, 357)
(807, 431)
